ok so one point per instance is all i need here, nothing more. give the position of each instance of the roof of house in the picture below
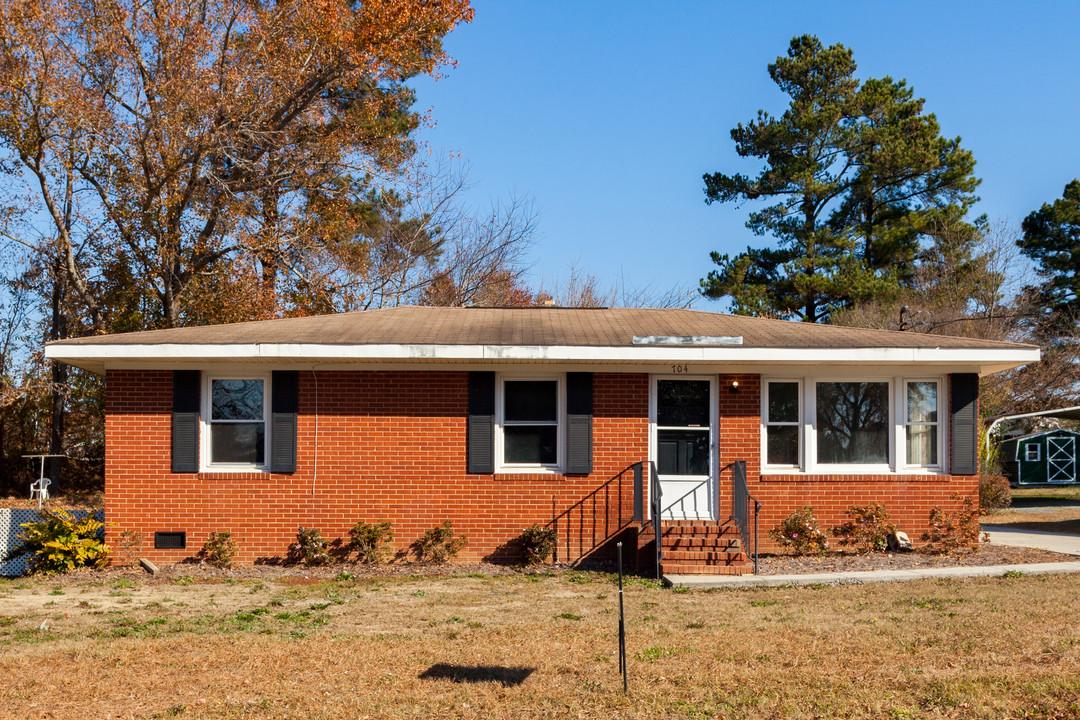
(541, 333)
(604, 327)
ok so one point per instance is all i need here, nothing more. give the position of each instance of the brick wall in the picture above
(391, 445)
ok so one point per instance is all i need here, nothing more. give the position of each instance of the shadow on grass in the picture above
(477, 673)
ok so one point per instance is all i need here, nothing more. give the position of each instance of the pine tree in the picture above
(1052, 239)
(859, 177)
(802, 149)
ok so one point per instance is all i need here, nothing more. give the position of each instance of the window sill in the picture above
(858, 470)
(536, 474)
(232, 473)
(780, 475)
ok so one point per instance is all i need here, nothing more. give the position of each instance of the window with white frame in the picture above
(237, 421)
(862, 425)
(1031, 452)
(922, 423)
(530, 416)
(853, 423)
(783, 423)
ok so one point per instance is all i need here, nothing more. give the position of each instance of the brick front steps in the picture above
(702, 547)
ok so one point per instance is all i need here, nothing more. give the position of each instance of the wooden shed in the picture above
(1048, 457)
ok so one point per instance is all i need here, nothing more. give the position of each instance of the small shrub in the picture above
(57, 542)
(371, 541)
(439, 544)
(219, 549)
(955, 530)
(539, 543)
(867, 529)
(130, 544)
(309, 548)
(994, 492)
(800, 533)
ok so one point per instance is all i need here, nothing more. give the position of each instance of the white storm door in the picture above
(683, 423)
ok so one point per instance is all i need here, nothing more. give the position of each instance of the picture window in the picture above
(853, 423)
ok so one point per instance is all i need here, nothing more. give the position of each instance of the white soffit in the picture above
(96, 357)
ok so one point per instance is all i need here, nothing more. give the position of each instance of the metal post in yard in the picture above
(622, 625)
(555, 527)
(757, 510)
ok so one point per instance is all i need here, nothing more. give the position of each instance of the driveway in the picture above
(1055, 542)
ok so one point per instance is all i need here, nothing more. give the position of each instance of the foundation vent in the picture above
(170, 540)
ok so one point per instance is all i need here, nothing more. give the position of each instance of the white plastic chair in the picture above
(40, 488)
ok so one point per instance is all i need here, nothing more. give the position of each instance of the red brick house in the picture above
(499, 418)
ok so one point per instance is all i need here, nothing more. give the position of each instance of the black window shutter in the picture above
(579, 413)
(185, 421)
(481, 428)
(964, 402)
(283, 421)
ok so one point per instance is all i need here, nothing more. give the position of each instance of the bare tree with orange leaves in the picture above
(158, 159)
(166, 136)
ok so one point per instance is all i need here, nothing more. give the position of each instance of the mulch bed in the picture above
(986, 554)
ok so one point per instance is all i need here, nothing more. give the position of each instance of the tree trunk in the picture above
(58, 388)
(6, 475)
(170, 301)
(270, 246)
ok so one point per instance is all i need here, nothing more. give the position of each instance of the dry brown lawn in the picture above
(1065, 492)
(89, 501)
(536, 646)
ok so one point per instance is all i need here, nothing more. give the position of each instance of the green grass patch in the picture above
(654, 653)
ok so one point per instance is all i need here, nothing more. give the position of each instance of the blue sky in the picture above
(607, 114)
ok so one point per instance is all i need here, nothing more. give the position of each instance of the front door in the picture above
(683, 431)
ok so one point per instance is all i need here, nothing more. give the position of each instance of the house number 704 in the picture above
(680, 368)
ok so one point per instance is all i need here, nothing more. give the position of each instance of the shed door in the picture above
(1061, 459)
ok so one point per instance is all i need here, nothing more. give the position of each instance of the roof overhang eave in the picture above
(96, 357)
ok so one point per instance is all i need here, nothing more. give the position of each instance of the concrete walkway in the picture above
(867, 576)
(999, 535)
(1056, 542)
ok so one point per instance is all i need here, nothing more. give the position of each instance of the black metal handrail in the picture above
(595, 519)
(655, 520)
(656, 512)
(740, 508)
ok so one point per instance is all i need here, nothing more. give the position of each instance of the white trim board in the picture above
(96, 357)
